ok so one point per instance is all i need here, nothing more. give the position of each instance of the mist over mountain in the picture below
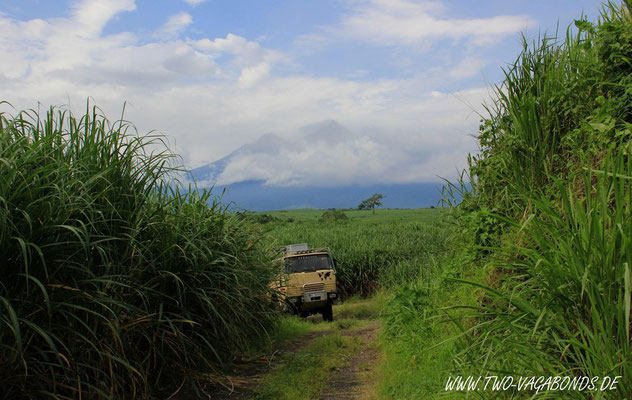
(208, 174)
(323, 165)
(269, 158)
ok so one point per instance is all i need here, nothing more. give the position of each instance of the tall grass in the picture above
(372, 255)
(537, 125)
(565, 307)
(550, 212)
(113, 282)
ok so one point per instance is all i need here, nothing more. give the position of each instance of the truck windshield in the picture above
(308, 263)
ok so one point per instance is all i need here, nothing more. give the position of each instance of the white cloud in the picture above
(212, 95)
(250, 62)
(63, 52)
(395, 140)
(331, 155)
(251, 75)
(469, 66)
(194, 2)
(402, 22)
(175, 25)
(91, 16)
(246, 51)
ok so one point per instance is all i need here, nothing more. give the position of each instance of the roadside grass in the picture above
(291, 327)
(549, 211)
(421, 343)
(362, 308)
(424, 319)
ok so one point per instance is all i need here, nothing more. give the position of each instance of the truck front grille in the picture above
(313, 287)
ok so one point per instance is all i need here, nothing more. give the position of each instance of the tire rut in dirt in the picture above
(350, 382)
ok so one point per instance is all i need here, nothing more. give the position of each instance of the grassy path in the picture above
(351, 358)
(313, 359)
(334, 360)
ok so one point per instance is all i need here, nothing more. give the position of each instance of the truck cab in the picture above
(308, 282)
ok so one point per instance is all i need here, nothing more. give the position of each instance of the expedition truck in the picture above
(308, 280)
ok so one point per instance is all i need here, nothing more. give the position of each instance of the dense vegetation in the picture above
(114, 283)
(549, 211)
(371, 253)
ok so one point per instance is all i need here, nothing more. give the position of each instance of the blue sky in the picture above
(405, 78)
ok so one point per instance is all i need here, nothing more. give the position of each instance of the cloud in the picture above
(311, 160)
(389, 140)
(73, 53)
(174, 26)
(406, 23)
(251, 61)
(332, 155)
(91, 16)
(39, 47)
(211, 95)
(250, 76)
(469, 66)
(194, 2)
(246, 51)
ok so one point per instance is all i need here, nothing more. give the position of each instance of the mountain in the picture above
(259, 195)
(327, 132)
(207, 175)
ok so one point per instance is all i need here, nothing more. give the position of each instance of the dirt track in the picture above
(353, 381)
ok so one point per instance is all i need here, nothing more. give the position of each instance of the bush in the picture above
(333, 215)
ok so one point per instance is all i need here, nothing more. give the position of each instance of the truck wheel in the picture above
(328, 313)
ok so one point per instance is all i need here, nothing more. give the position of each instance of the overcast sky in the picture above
(403, 77)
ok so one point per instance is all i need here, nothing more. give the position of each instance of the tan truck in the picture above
(308, 280)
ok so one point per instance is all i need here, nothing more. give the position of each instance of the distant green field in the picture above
(373, 250)
(381, 215)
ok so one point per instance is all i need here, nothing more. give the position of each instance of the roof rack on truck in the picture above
(302, 248)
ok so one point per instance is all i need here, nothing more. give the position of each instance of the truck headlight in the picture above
(332, 295)
(293, 299)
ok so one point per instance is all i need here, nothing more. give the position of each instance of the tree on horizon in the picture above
(371, 202)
